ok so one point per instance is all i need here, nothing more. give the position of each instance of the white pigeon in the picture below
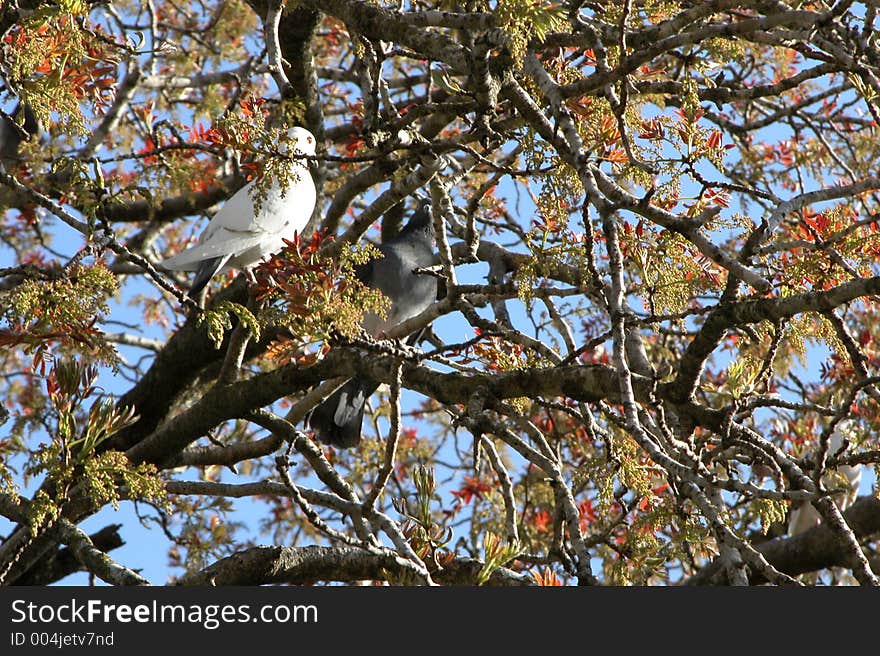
(238, 237)
(804, 516)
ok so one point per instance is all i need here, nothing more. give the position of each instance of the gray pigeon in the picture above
(337, 420)
(12, 134)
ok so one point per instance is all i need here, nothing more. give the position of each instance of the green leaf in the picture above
(219, 320)
(770, 512)
(496, 555)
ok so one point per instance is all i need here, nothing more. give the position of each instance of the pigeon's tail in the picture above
(337, 419)
(207, 269)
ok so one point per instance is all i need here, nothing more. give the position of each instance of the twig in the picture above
(506, 489)
(390, 445)
(273, 47)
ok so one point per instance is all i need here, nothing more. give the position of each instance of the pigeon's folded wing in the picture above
(278, 207)
(237, 213)
(364, 272)
(286, 205)
(229, 245)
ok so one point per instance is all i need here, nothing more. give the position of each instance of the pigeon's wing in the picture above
(409, 293)
(228, 232)
(223, 244)
(366, 272)
(237, 214)
(417, 293)
(290, 207)
(382, 272)
(389, 272)
(802, 518)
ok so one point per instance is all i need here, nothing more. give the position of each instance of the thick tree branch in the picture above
(813, 550)
(306, 565)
